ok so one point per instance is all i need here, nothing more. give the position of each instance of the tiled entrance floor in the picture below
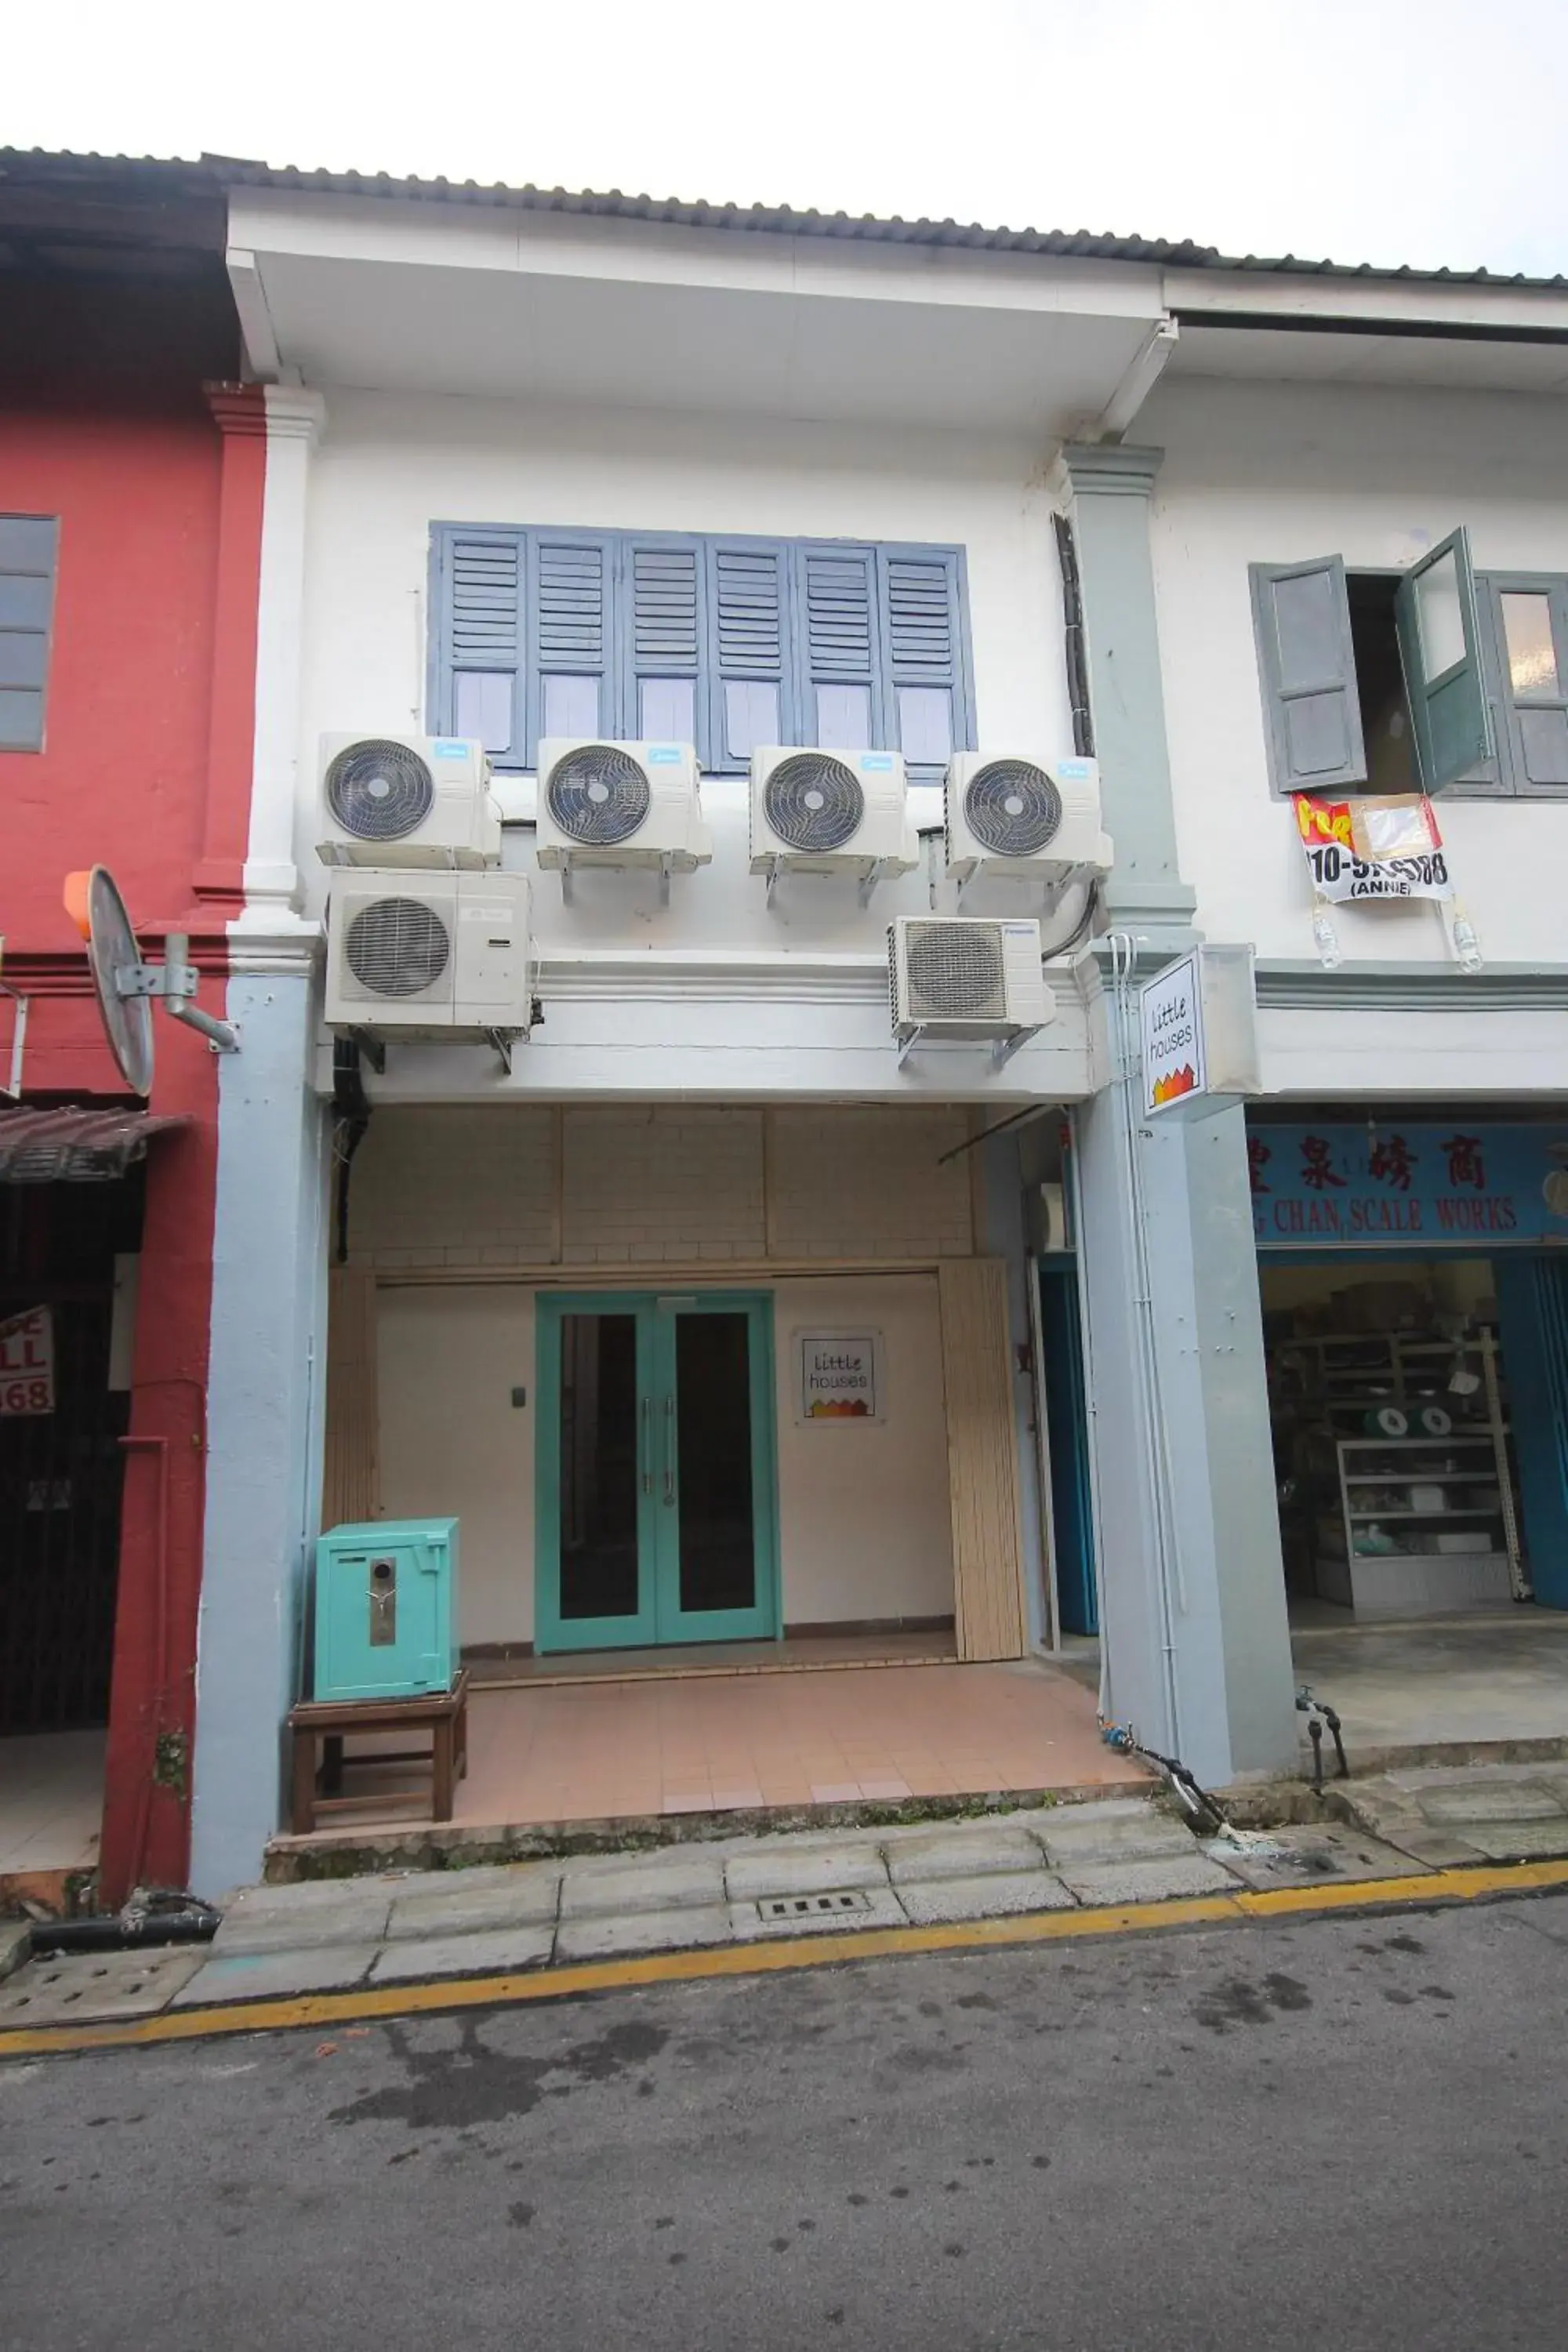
(51, 1797)
(606, 1751)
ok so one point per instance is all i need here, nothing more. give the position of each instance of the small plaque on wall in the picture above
(839, 1376)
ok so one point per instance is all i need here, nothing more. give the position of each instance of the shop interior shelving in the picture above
(1390, 1522)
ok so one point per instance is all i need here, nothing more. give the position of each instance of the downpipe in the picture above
(148, 1920)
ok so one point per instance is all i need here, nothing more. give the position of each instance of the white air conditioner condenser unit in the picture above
(826, 811)
(963, 976)
(1011, 815)
(406, 800)
(434, 955)
(619, 804)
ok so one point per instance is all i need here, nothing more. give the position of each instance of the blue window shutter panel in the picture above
(1306, 659)
(571, 630)
(752, 697)
(663, 629)
(481, 691)
(838, 609)
(922, 595)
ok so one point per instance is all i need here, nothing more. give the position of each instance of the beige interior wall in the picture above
(452, 1440)
(613, 1184)
(864, 1526)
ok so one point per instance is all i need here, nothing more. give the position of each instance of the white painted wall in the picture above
(863, 1510)
(864, 1525)
(390, 465)
(1270, 472)
(453, 1442)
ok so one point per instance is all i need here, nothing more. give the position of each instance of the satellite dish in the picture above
(111, 950)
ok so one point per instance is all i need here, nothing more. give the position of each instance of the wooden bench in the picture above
(324, 1723)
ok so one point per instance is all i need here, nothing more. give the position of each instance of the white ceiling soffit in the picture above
(409, 327)
(1304, 356)
(413, 298)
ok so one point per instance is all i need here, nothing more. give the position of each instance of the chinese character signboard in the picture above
(1374, 848)
(838, 1375)
(27, 1363)
(1391, 1181)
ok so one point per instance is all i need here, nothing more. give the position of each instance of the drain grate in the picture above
(813, 1906)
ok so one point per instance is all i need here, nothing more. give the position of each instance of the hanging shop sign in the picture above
(838, 1375)
(1387, 1182)
(1387, 848)
(1198, 1031)
(27, 1363)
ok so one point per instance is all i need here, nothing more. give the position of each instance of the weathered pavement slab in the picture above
(404, 1928)
(1447, 1816)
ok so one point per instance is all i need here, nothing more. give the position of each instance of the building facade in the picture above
(536, 468)
(130, 473)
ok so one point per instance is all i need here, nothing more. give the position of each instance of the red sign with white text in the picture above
(27, 1363)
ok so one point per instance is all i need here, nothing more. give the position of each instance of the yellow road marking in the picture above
(1474, 1883)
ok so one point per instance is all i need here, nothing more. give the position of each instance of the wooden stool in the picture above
(444, 1714)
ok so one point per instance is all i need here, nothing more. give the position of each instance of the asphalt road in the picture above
(1340, 2135)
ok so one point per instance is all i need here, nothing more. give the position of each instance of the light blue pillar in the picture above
(1192, 1585)
(266, 1414)
(1112, 490)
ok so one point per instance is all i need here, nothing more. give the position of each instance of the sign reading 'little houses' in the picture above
(1173, 1020)
(27, 1363)
(838, 1373)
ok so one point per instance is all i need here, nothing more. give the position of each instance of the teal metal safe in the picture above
(385, 1607)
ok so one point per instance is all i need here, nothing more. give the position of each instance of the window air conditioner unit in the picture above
(406, 800)
(960, 976)
(1007, 814)
(830, 813)
(620, 805)
(434, 955)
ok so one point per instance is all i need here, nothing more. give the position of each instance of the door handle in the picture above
(646, 1447)
(669, 1447)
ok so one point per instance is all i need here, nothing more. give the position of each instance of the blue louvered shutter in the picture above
(571, 637)
(750, 685)
(923, 625)
(478, 656)
(842, 701)
(663, 597)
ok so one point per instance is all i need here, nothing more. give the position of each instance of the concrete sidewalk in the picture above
(334, 1935)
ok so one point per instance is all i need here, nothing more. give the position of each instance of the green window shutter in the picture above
(29, 544)
(751, 687)
(1441, 647)
(1525, 647)
(477, 639)
(663, 593)
(922, 629)
(571, 637)
(843, 697)
(1302, 619)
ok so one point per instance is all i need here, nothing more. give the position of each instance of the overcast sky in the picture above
(1432, 131)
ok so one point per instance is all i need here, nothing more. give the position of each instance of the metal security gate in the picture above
(61, 1473)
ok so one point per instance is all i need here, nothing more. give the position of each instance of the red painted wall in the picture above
(104, 422)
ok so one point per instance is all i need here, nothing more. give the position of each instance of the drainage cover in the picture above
(813, 1906)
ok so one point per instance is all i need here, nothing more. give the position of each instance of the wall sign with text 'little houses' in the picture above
(1391, 1183)
(839, 1376)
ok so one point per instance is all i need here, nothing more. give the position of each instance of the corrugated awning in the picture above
(72, 1146)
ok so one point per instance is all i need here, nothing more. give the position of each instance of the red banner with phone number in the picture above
(27, 1363)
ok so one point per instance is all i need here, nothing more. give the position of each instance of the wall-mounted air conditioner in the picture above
(830, 813)
(960, 976)
(437, 955)
(618, 804)
(1008, 815)
(406, 800)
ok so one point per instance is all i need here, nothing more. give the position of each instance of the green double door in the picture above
(655, 1517)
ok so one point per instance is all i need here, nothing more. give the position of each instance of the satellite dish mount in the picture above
(127, 983)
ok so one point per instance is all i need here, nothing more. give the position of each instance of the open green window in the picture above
(1440, 649)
